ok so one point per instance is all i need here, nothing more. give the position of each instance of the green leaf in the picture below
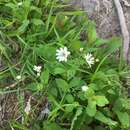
(99, 128)
(100, 42)
(101, 100)
(69, 109)
(45, 76)
(59, 70)
(91, 108)
(124, 118)
(23, 27)
(52, 126)
(91, 31)
(48, 52)
(35, 87)
(101, 117)
(62, 84)
(75, 82)
(78, 113)
(69, 98)
(37, 21)
(89, 93)
(75, 45)
(113, 44)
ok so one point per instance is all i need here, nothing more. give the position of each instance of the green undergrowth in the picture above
(87, 91)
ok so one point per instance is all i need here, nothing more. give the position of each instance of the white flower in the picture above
(89, 59)
(84, 88)
(18, 77)
(81, 49)
(20, 3)
(62, 54)
(28, 107)
(37, 68)
(97, 60)
(38, 74)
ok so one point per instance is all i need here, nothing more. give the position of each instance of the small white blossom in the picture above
(37, 68)
(97, 60)
(84, 88)
(62, 54)
(20, 3)
(18, 77)
(89, 59)
(28, 107)
(81, 49)
(38, 74)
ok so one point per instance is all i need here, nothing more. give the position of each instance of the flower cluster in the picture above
(63, 53)
(37, 69)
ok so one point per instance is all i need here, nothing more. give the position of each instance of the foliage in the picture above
(31, 32)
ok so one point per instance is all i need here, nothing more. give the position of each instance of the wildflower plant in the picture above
(81, 78)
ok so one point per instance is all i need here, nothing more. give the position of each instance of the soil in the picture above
(103, 12)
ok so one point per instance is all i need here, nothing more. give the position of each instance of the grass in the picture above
(49, 94)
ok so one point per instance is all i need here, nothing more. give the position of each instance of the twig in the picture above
(124, 30)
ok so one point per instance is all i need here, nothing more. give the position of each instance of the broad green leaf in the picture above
(48, 52)
(69, 98)
(35, 87)
(91, 33)
(37, 21)
(62, 84)
(124, 118)
(101, 117)
(75, 82)
(69, 108)
(89, 93)
(52, 126)
(75, 45)
(113, 45)
(100, 42)
(101, 100)
(71, 73)
(45, 76)
(59, 70)
(91, 108)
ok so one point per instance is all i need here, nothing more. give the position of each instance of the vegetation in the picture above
(56, 55)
